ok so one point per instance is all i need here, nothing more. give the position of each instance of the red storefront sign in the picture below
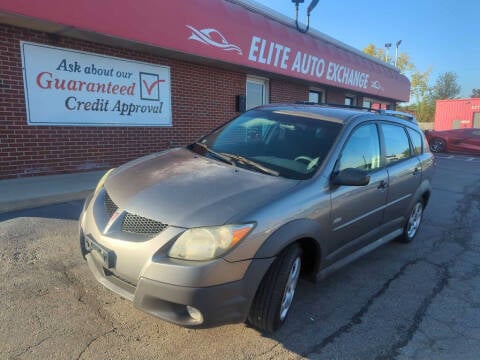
(220, 30)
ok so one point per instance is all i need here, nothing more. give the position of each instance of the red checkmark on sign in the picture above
(152, 85)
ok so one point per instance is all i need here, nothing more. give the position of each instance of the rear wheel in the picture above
(413, 223)
(275, 294)
(438, 145)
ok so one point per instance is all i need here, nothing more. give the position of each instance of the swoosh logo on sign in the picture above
(206, 36)
(376, 85)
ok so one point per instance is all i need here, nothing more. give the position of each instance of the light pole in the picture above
(309, 10)
(387, 46)
(397, 44)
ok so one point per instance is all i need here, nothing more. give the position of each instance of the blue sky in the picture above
(442, 34)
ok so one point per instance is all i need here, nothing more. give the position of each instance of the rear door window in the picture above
(397, 146)
(416, 139)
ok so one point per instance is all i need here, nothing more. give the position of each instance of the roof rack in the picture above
(340, 106)
(400, 114)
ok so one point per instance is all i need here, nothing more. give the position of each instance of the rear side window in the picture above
(397, 146)
(416, 139)
(362, 150)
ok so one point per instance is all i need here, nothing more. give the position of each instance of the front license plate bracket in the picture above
(108, 256)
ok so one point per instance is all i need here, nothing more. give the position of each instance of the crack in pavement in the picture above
(268, 351)
(30, 347)
(94, 340)
(82, 296)
(419, 315)
(357, 317)
(460, 234)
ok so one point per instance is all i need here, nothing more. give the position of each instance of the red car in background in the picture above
(462, 141)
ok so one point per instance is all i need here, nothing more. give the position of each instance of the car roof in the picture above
(343, 114)
(339, 113)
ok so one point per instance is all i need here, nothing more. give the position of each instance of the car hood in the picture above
(181, 188)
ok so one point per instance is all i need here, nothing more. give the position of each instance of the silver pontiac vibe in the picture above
(220, 231)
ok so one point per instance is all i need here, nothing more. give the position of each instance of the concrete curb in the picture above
(31, 192)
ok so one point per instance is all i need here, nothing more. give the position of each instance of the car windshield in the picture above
(287, 143)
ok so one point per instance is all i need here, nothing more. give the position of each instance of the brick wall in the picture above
(202, 98)
(335, 96)
(284, 91)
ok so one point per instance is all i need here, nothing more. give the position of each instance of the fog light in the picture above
(195, 314)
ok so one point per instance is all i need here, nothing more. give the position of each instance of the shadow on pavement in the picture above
(67, 211)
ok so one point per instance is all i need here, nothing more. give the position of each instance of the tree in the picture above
(424, 106)
(475, 93)
(403, 61)
(446, 86)
(419, 84)
(425, 109)
(372, 50)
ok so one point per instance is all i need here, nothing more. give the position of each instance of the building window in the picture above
(367, 103)
(257, 92)
(350, 100)
(316, 96)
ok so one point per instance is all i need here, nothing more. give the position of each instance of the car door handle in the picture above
(383, 185)
(416, 171)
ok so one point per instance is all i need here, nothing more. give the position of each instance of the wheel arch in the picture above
(426, 197)
(306, 233)
(423, 193)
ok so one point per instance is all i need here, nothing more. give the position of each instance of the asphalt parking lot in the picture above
(416, 301)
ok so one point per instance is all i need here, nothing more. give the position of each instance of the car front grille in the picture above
(134, 224)
(110, 206)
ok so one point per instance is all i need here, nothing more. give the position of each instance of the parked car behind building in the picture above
(463, 141)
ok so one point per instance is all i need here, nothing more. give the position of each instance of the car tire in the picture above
(413, 223)
(438, 145)
(275, 293)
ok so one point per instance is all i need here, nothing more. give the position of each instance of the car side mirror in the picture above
(351, 177)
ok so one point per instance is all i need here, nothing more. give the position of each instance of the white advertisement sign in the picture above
(68, 87)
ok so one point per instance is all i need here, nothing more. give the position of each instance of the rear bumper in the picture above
(223, 303)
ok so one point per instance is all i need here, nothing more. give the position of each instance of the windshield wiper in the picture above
(252, 163)
(222, 157)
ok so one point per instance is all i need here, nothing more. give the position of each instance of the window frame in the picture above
(351, 97)
(266, 89)
(370, 102)
(320, 92)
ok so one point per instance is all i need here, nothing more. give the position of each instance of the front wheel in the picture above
(437, 145)
(413, 223)
(275, 294)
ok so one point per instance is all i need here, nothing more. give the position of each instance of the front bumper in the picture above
(221, 291)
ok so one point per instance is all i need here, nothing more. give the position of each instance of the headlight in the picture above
(209, 242)
(103, 179)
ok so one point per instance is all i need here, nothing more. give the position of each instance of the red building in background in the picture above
(457, 114)
(92, 84)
